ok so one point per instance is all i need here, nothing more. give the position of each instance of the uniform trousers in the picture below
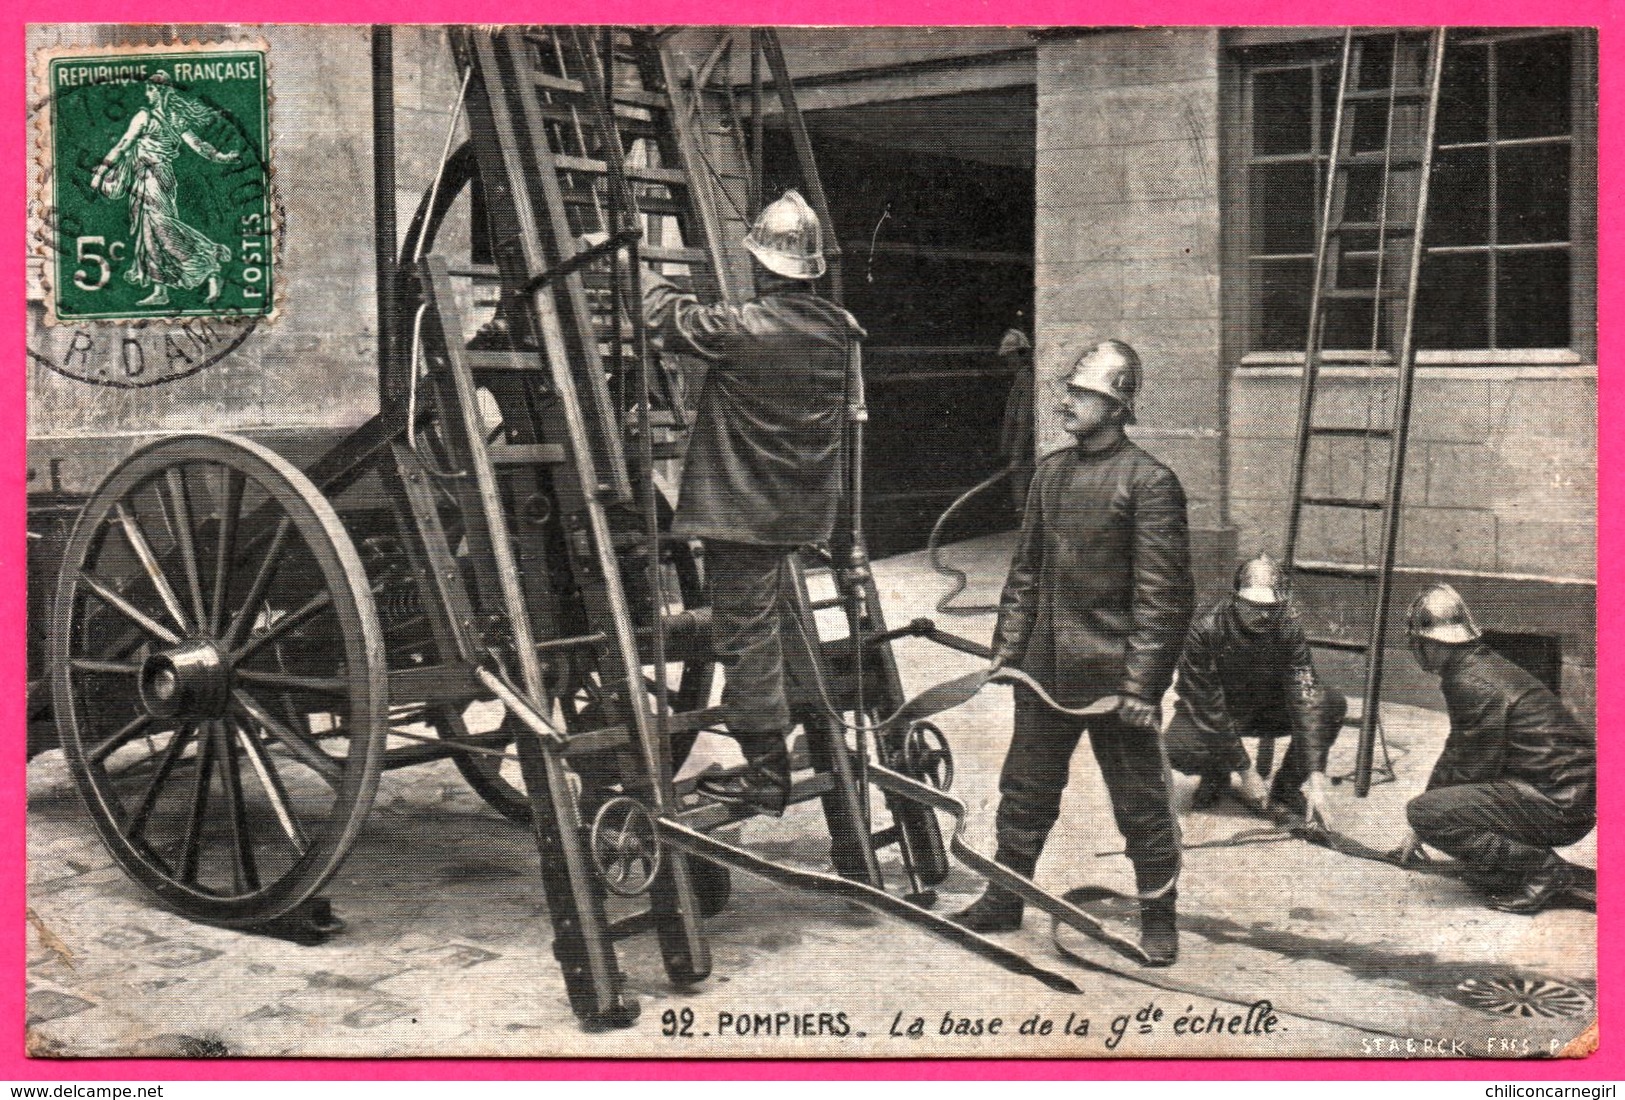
(1136, 776)
(747, 586)
(1197, 751)
(1503, 832)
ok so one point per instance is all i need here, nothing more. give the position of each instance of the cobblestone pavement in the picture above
(447, 953)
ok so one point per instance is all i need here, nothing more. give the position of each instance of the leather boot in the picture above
(1545, 888)
(763, 784)
(997, 910)
(1159, 934)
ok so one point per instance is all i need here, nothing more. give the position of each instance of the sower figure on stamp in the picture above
(1518, 773)
(1246, 671)
(1097, 603)
(165, 251)
(763, 473)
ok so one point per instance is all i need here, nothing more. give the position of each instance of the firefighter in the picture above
(1246, 671)
(1518, 773)
(763, 473)
(1097, 602)
(1016, 429)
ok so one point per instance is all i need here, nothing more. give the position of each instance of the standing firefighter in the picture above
(1246, 671)
(1518, 774)
(1097, 603)
(1016, 429)
(763, 473)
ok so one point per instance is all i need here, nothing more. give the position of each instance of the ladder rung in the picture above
(591, 741)
(669, 176)
(825, 605)
(528, 454)
(1370, 433)
(1377, 159)
(529, 361)
(1360, 293)
(1338, 643)
(1334, 569)
(481, 272)
(580, 641)
(660, 254)
(1367, 95)
(1344, 502)
(1396, 229)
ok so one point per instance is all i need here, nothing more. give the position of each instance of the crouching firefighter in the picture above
(763, 474)
(1246, 671)
(1097, 602)
(1517, 775)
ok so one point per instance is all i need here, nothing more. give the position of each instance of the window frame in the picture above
(1259, 50)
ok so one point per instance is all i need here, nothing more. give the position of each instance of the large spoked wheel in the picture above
(218, 677)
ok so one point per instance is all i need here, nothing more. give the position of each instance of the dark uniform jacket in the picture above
(1100, 594)
(764, 459)
(1234, 681)
(1506, 725)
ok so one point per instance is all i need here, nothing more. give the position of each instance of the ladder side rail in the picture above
(1401, 427)
(550, 242)
(681, 143)
(1311, 353)
(785, 90)
(592, 974)
(656, 748)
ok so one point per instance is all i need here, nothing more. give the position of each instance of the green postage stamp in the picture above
(156, 189)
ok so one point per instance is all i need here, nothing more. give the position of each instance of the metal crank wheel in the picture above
(218, 677)
(625, 847)
(927, 756)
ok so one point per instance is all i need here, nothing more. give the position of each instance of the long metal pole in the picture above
(383, 207)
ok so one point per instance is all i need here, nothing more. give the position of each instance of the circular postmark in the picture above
(155, 233)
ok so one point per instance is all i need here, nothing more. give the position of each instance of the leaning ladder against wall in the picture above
(1368, 259)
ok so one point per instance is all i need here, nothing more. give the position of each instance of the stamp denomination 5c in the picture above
(156, 190)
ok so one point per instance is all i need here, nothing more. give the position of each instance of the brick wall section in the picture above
(1501, 475)
(1128, 240)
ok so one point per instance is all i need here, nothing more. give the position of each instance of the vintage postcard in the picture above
(729, 542)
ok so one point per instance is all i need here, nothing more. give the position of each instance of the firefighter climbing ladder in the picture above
(1367, 265)
(578, 131)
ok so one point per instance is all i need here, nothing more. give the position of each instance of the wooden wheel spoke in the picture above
(179, 509)
(225, 551)
(129, 611)
(323, 685)
(301, 747)
(245, 873)
(192, 842)
(275, 791)
(106, 747)
(110, 668)
(244, 616)
(137, 538)
(136, 825)
(289, 622)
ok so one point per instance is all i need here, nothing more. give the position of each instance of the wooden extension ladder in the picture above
(1367, 265)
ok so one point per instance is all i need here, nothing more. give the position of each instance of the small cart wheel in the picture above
(928, 757)
(625, 847)
(218, 677)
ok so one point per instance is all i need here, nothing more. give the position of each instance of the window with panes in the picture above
(1507, 264)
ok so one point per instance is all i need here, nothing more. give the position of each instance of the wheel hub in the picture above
(192, 679)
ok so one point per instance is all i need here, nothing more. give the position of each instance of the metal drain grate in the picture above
(1526, 997)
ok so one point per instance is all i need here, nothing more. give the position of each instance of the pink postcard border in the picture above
(1607, 1064)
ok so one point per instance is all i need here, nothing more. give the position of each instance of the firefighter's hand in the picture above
(1316, 790)
(1139, 714)
(1254, 791)
(999, 661)
(1410, 849)
(591, 240)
